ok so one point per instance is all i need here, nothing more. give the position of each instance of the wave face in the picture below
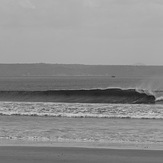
(112, 95)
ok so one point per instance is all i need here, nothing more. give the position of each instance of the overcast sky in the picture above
(81, 31)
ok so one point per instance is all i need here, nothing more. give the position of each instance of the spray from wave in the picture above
(152, 86)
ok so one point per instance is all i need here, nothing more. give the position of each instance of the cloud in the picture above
(26, 4)
(92, 18)
(134, 2)
(91, 3)
(12, 5)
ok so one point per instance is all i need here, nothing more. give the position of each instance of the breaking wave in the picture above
(110, 95)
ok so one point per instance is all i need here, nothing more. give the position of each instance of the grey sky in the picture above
(81, 31)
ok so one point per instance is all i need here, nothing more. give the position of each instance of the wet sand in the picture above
(28, 154)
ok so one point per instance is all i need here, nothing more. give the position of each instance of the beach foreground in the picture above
(28, 154)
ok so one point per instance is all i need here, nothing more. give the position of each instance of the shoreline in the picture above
(34, 154)
(87, 145)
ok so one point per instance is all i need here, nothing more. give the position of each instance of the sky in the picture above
(107, 32)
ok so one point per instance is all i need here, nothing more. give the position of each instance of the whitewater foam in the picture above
(77, 110)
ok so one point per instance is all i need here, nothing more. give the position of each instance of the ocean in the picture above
(129, 119)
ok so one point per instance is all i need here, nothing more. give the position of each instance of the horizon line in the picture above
(33, 63)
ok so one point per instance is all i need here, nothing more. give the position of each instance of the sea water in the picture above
(78, 123)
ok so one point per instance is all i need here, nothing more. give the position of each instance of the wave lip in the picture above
(111, 95)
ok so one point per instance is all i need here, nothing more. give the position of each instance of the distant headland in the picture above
(42, 69)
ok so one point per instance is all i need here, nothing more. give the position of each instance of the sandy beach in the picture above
(26, 154)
